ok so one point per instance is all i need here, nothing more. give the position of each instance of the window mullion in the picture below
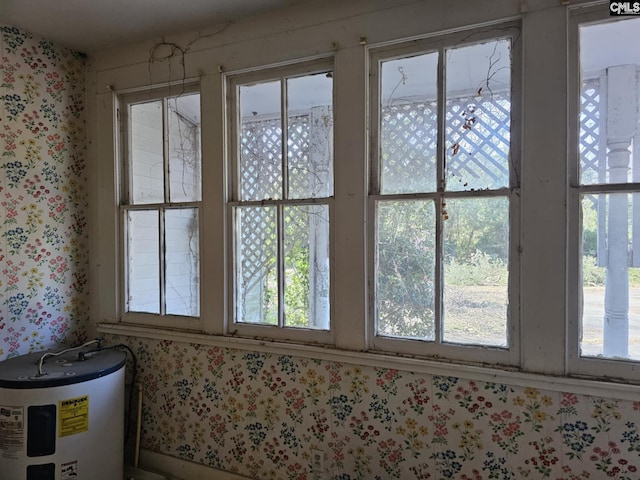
(165, 149)
(375, 180)
(167, 197)
(280, 255)
(280, 262)
(235, 129)
(162, 262)
(284, 119)
(124, 114)
(441, 187)
(441, 98)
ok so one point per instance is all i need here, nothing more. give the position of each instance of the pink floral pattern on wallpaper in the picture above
(43, 200)
(262, 415)
(259, 414)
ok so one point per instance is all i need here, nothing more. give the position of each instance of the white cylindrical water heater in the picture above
(63, 420)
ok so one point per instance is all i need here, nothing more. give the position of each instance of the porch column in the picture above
(621, 124)
(321, 163)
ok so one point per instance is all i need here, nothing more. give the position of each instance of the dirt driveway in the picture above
(486, 305)
(592, 318)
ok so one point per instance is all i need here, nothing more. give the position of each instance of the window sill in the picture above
(608, 389)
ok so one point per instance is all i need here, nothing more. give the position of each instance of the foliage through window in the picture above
(443, 184)
(609, 190)
(474, 215)
(282, 188)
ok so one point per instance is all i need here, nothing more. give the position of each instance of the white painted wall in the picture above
(181, 272)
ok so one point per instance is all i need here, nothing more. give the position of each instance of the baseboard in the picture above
(179, 469)
(132, 473)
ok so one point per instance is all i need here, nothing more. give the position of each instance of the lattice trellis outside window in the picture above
(282, 188)
(592, 149)
(261, 177)
(442, 192)
(608, 192)
(478, 138)
(483, 143)
(409, 133)
(476, 126)
(593, 168)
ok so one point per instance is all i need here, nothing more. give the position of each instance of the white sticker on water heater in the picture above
(69, 471)
(11, 431)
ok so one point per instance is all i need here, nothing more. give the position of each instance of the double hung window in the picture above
(160, 206)
(443, 194)
(416, 245)
(605, 192)
(281, 201)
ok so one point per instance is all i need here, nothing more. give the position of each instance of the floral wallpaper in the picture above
(262, 415)
(266, 416)
(43, 198)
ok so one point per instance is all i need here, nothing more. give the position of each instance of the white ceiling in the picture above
(90, 25)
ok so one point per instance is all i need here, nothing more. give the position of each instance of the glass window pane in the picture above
(406, 269)
(143, 251)
(146, 145)
(610, 66)
(260, 142)
(306, 264)
(182, 260)
(478, 85)
(592, 169)
(476, 272)
(183, 125)
(408, 124)
(610, 324)
(256, 271)
(310, 136)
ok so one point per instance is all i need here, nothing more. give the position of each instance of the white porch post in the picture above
(621, 125)
(321, 161)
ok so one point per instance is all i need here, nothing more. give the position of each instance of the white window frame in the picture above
(544, 344)
(124, 99)
(508, 355)
(233, 81)
(606, 368)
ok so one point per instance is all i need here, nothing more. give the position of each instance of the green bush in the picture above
(592, 275)
(480, 270)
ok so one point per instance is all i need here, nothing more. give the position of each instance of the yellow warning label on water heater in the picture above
(73, 416)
